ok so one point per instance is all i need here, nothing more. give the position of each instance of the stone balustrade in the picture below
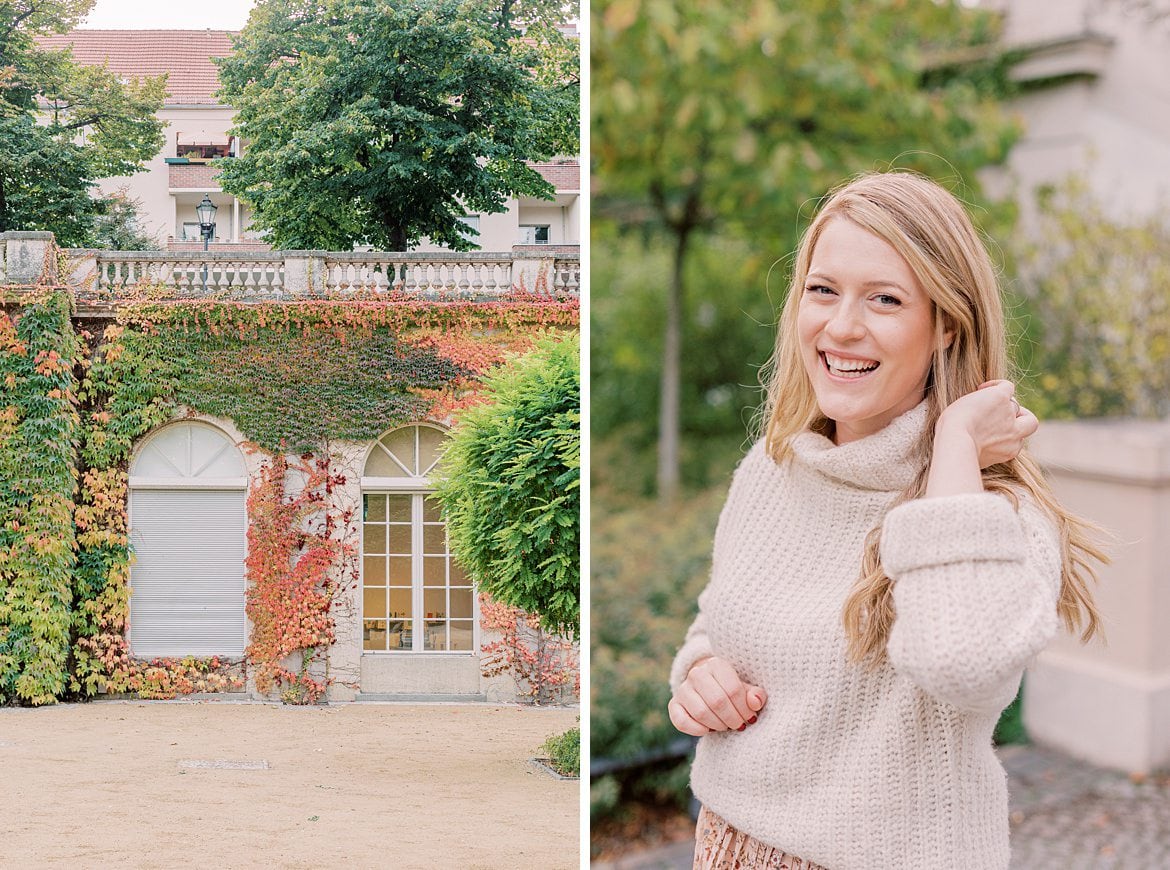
(30, 258)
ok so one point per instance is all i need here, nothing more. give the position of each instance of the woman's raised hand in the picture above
(714, 698)
(992, 418)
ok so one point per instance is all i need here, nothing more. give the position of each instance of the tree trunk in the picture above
(668, 406)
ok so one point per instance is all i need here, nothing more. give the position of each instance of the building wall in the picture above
(166, 201)
(1097, 101)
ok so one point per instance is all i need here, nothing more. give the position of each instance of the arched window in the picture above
(415, 597)
(188, 485)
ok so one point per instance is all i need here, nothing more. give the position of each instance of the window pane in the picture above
(380, 464)
(374, 571)
(374, 603)
(462, 604)
(374, 538)
(436, 636)
(432, 510)
(401, 443)
(400, 604)
(459, 577)
(400, 539)
(375, 509)
(399, 508)
(430, 442)
(399, 636)
(434, 538)
(434, 570)
(400, 571)
(374, 634)
(461, 634)
(435, 603)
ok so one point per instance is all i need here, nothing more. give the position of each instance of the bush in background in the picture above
(1095, 309)
(648, 567)
(510, 485)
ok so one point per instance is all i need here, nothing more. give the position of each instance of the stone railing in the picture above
(26, 258)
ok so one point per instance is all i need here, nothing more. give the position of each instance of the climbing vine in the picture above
(292, 551)
(542, 665)
(292, 377)
(38, 423)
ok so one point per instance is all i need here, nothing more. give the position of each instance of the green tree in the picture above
(382, 123)
(710, 115)
(511, 485)
(63, 126)
(117, 226)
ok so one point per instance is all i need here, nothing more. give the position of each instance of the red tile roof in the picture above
(185, 55)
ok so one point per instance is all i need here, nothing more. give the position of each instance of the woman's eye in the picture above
(887, 299)
(818, 290)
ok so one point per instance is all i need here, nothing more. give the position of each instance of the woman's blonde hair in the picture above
(932, 232)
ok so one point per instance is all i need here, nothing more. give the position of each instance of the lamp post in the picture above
(206, 211)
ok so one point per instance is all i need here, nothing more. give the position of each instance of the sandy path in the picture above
(428, 786)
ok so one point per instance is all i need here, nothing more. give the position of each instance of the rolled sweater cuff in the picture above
(971, 527)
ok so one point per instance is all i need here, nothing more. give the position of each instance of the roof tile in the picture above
(184, 55)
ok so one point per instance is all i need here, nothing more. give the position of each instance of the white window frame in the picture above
(472, 220)
(528, 234)
(418, 486)
(192, 479)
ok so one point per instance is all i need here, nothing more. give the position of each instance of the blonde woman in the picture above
(888, 561)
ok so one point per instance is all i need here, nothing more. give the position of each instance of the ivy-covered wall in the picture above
(291, 376)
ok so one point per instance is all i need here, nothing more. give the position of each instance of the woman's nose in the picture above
(846, 324)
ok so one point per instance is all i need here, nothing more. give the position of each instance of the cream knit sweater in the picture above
(857, 769)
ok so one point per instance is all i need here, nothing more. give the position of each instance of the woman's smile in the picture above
(866, 330)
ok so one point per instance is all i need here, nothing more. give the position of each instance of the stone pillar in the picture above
(82, 270)
(305, 273)
(1110, 703)
(30, 258)
(533, 272)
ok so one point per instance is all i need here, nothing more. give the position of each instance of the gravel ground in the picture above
(221, 784)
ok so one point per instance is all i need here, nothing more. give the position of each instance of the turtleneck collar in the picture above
(886, 461)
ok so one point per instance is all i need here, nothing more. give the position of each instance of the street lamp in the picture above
(206, 211)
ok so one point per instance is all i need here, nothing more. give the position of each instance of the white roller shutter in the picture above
(187, 582)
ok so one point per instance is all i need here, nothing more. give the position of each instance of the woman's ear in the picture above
(948, 328)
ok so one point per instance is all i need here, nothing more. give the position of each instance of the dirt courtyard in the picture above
(181, 784)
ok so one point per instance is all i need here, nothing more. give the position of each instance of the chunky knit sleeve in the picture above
(695, 647)
(975, 591)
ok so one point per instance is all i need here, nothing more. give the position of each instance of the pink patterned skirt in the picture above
(719, 846)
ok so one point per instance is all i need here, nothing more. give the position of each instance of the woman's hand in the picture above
(993, 420)
(973, 432)
(714, 698)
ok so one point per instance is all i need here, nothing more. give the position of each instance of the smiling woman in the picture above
(866, 342)
(887, 562)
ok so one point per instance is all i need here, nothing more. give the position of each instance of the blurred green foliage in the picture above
(648, 566)
(715, 122)
(1095, 309)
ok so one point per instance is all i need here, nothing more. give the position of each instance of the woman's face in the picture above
(866, 330)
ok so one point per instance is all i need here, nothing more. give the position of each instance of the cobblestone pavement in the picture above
(1065, 815)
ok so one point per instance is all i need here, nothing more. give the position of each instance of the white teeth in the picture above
(853, 366)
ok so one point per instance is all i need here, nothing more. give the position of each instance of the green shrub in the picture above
(564, 752)
(1094, 310)
(510, 485)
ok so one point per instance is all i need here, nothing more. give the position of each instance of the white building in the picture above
(1095, 76)
(197, 124)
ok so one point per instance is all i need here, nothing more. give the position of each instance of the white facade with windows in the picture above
(408, 627)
